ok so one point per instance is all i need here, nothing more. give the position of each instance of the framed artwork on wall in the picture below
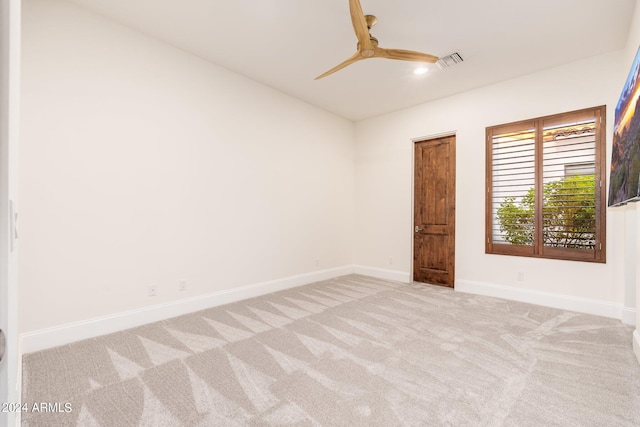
(624, 183)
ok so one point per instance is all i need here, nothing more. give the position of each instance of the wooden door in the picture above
(434, 211)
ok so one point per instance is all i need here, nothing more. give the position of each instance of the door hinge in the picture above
(600, 246)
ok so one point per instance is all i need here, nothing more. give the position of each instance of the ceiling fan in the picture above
(368, 45)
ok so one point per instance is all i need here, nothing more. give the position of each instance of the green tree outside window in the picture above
(569, 214)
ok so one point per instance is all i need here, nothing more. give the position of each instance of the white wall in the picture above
(384, 186)
(141, 164)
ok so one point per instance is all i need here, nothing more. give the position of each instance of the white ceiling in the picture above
(285, 44)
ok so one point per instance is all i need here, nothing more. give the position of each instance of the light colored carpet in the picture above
(352, 351)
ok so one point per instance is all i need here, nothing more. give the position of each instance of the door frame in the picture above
(413, 189)
(10, 366)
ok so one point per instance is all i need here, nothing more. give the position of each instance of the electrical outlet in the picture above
(520, 276)
(182, 285)
(317, 262)
(390, 261)
(153, 290)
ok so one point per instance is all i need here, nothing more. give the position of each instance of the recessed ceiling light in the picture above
(421, 70)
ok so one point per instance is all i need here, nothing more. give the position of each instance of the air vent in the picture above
(448, 61)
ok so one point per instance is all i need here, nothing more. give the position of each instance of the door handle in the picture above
(13, 218)
(418, 229)
(2, 344)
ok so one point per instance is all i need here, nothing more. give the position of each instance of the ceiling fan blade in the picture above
(355, 58)
(404, 55)
(360, 24)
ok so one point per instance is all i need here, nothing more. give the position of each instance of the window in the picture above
(545, 187)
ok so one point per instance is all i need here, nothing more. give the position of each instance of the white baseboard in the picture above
(90, 328)
(636, 344)
(564, 302)
(628, 316)
(398, 276)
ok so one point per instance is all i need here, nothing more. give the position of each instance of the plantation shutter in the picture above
(513, 180)
(544, 187)
(569, 181)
